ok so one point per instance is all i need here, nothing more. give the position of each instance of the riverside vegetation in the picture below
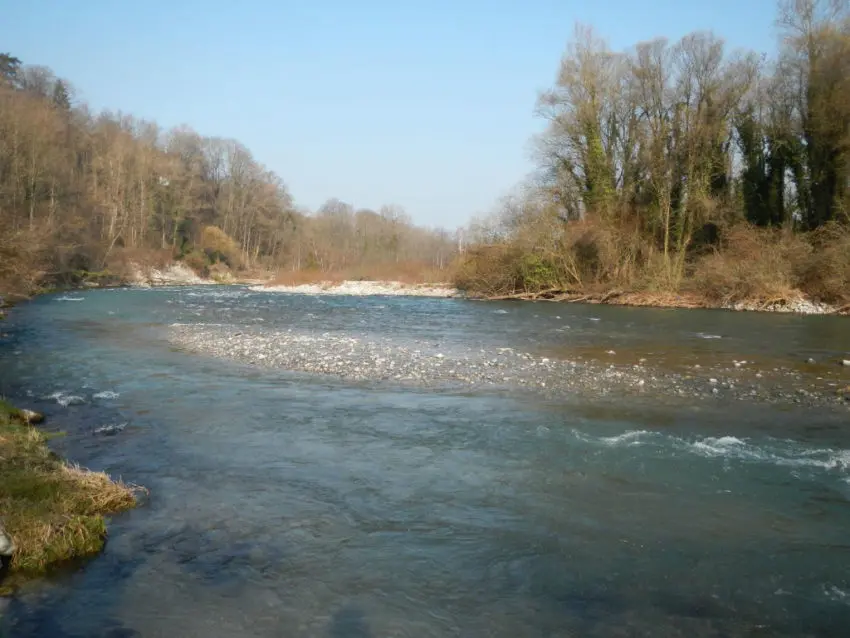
(53, 512)
(680, 173)
(670, 174)
(89, 198)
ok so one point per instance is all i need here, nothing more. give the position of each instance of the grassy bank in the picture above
(53, 511)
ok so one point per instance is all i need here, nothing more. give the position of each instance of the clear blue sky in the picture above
(425, 104)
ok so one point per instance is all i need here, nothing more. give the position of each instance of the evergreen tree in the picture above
(61, 99)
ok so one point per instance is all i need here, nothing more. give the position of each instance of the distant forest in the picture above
(671, 167)
(684, 166)
(84, 195)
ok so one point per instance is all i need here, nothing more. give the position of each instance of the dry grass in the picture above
(825, 274)
(765, 266)
(752, 265)
(404, 272)
(53, 511)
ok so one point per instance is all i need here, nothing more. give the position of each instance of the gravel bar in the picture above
(426, 364)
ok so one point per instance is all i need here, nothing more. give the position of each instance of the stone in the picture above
(846, 362)
(7, 547)
(29, 417)
(810, 360)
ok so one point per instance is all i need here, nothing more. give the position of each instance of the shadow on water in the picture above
(41, 609)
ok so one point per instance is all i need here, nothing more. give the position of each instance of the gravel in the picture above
(365, 357)
(365, 288)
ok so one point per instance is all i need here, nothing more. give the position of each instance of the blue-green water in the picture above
(285, 504)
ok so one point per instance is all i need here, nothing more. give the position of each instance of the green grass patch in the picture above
(53, 511)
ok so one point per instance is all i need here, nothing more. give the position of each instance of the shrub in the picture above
(219, 246)
(535, 273)
(198, 261)
(825, 274)
(489, 270)
(220, 273)
(752, 264)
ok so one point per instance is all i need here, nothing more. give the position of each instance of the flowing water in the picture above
(289, 504)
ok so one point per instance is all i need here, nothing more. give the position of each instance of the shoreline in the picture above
(53, 511)
(797, 305)
(178, 274)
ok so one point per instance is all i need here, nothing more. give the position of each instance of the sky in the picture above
(428, 105)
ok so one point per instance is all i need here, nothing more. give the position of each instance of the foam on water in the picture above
(64, 399)
(633, 437)
(66, 298)
(106, 394)
(703, 335)
(783, 453)
(838, 595)
(110, 429)
(217, 294)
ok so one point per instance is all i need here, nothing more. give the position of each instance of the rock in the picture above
(29, 417)
(7, 547)
(846, 362)
(810, 360)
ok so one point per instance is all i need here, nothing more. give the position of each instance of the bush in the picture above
(825, 275)
(220, 247)
(579, 255)
(220, 273)
(198, 261)
(535, 273)
(489, 270)
(752, 264)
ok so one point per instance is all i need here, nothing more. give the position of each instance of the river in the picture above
(629, 472)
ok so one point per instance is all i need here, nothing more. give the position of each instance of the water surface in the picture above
(288, 504)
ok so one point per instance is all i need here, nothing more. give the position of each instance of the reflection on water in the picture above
(289, 505)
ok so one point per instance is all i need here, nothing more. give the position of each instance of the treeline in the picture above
(84, 194)
(682, 165)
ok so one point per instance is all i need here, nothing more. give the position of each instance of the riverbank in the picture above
(791, 304)
(177, 274)
(138, 276)
(53, 512)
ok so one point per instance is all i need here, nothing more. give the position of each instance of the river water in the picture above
(284, 503)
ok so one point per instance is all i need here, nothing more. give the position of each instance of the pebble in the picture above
(388, 358)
